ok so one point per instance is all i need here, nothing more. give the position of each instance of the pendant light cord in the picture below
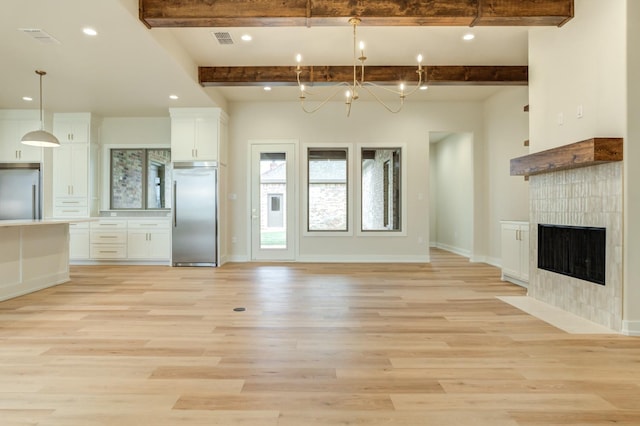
(41, 73)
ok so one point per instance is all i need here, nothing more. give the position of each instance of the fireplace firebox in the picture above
(576, 251)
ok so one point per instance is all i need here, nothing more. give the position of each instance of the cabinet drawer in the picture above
(78, 225)
(70, 211)
(104, 251)
(108, 237)
(148, 224)
(109, 224)
(71, 202)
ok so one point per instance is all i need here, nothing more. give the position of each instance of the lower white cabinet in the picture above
(148, 240)
(108, 239)
(79, 241)
(515, 252)
(119, 239)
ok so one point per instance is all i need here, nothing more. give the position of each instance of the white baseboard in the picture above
(452, 249)
(493, 261)
(365, 259)
(631, 328)
(239, 258)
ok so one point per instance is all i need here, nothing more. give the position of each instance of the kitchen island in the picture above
(34, 254)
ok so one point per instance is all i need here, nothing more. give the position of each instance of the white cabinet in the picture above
(196, 133)
(515, 252)
(148, 239)
(74, 166)
(13, 126)
(79, 241)
(126, 240)
(72, 130)
(108, 239)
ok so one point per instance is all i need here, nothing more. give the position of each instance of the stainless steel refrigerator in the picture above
(195, 225)
(20, 191)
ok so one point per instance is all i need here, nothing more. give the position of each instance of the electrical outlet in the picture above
(560, 119)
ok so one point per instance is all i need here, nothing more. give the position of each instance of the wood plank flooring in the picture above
(318, 344)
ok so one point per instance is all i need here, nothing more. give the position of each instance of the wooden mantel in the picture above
(580, 154)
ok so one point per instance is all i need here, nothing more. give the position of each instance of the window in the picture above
(381, 189)
(140, 178)
(327, 189)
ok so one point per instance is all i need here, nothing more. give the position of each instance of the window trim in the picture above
(304, 223)
(105, 203)
(402, 232)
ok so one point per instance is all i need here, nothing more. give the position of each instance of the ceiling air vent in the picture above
(38, 34)
(223, 37)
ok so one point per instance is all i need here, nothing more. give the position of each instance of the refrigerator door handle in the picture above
(175, 204)
(33, 201)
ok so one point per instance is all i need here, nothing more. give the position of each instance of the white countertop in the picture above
(40, 222)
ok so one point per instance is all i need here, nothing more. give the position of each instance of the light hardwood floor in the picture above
(318, 344)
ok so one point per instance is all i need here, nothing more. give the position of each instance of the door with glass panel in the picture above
(272, 202)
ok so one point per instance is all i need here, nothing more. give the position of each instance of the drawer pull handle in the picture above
(108, 251)
(108, 236)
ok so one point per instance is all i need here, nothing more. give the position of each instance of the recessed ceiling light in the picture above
(27, 98)
(267, 88)
(246, 37)
(174, 97)
(468, 37)
(424, 87)
(89, 31)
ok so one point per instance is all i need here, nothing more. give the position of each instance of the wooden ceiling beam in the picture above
(267, 13)
(439, 75)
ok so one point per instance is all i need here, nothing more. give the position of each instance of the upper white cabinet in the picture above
(515, 252)
(72, 130)
(14, 124)
(197, 134)
(75, 185)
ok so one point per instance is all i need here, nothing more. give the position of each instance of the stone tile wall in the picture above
(590, 196)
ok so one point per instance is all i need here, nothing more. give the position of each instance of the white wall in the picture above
(433, 196)
(631, 273)
(506, 129)
(368, 123)
(582, 63)
(136, 131)
(453, 187)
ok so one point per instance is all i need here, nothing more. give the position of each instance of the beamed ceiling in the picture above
(390, 13)
(148, 49)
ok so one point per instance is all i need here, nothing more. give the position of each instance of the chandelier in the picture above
(359, 83)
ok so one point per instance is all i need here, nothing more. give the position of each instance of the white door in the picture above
(272, 201)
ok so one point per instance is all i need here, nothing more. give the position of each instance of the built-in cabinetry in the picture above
(118, 239)
(14, 124)
(79, 240)
(196, 133)
(148, 239)
(515, 252)
(108, 239)
(201, 134)
(75, 185)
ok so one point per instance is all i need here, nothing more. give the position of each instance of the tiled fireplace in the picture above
(587, 197)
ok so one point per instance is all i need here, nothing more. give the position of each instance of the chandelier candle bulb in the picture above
(358, 85)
